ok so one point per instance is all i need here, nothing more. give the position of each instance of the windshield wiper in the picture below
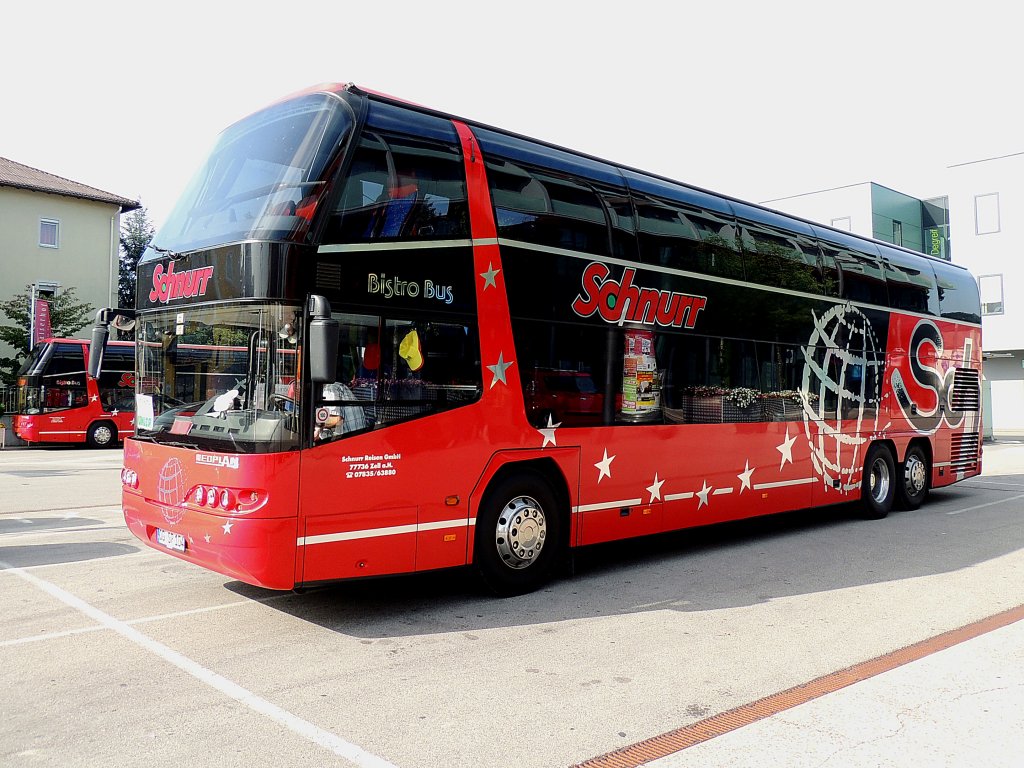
(167, 252)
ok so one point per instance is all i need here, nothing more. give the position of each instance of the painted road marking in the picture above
(304, 728)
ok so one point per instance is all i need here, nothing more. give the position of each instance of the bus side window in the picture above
(783, 260)
(861, 276)
(958, 293)
(546, 208)
(401, 188)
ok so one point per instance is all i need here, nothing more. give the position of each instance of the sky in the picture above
(759, 100)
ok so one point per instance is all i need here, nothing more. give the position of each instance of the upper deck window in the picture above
(264, 178)
(401, 187)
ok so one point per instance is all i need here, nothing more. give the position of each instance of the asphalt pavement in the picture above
(958, 707)
(804, 639)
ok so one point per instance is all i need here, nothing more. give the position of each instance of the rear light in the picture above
(199, 495)
(211, 497)
(130, 478)
(227, 501)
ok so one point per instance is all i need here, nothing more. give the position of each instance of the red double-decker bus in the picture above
(467, 347)
(58, 403)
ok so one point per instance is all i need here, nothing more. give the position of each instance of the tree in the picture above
(68, 315)
(136, 232)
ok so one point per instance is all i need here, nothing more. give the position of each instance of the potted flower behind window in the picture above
(784, 405)
(703, 405)
(741, 404)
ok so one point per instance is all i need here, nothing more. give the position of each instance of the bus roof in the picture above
(822, 230)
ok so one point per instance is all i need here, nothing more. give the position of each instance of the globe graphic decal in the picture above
(170, 491)
(842, 371)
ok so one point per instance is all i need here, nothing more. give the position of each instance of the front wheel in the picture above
(518, 534)
(102, 434)
(914, 475)
(878, 485)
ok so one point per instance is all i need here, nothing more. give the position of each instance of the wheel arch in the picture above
(924, 444)
(558, 468)
(891, 445)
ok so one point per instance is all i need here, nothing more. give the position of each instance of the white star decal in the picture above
(655, 488)
(227, 527)
(114, 412)
(702, 494)
(604, 466)
(499, 368)
(786, 449)
(207, 538)
(549, 432)
(744, 477)
(489, 276)
(94, 398)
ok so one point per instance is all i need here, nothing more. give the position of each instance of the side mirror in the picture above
(98, 345)
(121, 319)
(322, 346)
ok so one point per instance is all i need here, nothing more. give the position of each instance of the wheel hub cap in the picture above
(520, 532)
(915, 473)
(879, 482)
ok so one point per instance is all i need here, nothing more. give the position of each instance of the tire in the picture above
(914, 479)
(101, 434)
(518, 534)
(878, 484)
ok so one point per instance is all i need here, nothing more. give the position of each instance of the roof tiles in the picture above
(20, 176)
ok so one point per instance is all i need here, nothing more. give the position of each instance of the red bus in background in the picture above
(462, 346)
(58, 403)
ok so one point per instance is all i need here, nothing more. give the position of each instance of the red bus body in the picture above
(59, 403)
(411, 495)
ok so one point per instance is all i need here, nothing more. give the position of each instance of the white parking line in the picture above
(7, 536)
(141, 620)
(988, 504)
(304, 728)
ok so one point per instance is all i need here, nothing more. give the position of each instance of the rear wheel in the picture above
(518, 534)
(914, 478)
(102, 434)
(878, 484)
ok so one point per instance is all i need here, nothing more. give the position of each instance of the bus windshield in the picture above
(263, 178)
(52, 378)
(220, 378)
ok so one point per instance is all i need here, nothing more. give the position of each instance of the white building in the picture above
(976, 224)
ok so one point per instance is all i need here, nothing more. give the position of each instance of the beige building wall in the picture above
(85, 256)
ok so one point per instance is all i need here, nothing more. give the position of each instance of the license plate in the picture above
(170, 540)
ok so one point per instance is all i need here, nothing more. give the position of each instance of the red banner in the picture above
(42, 321)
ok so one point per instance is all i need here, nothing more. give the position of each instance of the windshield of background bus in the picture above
(263, 177)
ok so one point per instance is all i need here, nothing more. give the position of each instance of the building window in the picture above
(986, 213)
(49, 233)
(843, 223)
(991, 287)
(897, 232)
